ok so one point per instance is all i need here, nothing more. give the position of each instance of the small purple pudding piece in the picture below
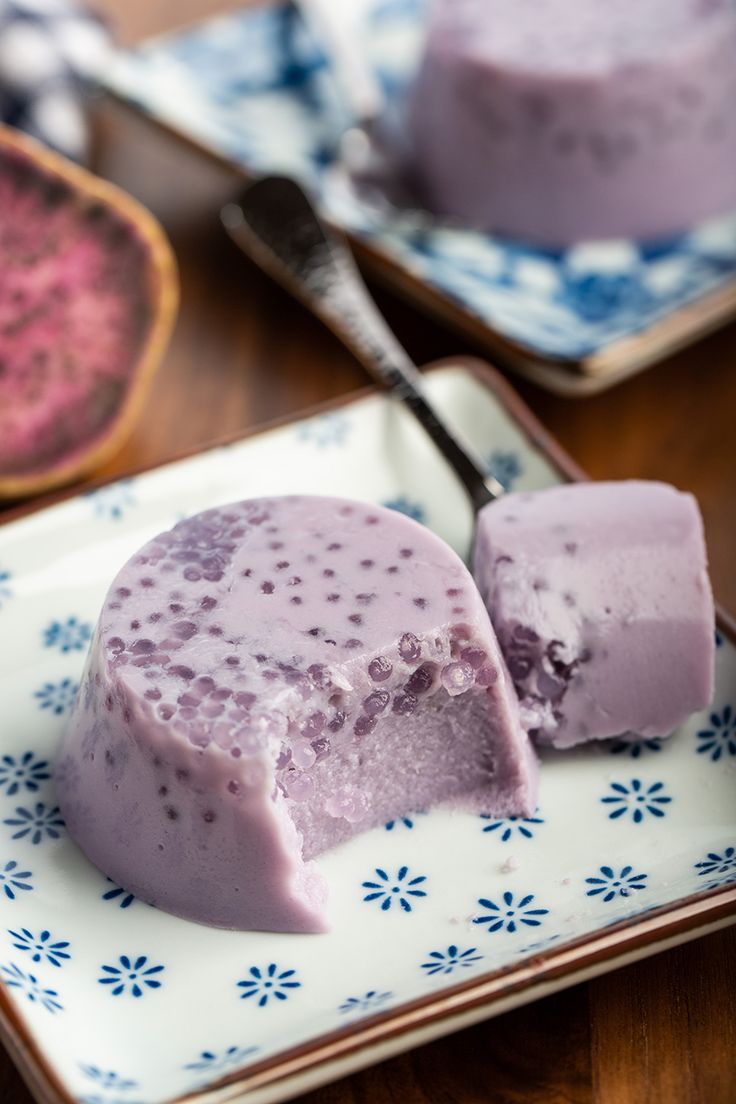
(561, 120)
(600, 597)
(225, 735)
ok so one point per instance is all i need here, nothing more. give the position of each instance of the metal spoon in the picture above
(274, 222)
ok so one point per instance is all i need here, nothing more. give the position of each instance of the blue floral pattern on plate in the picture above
(372, 1001)
(29, 984)
(71, 635)
(41, 947)
(133, 976)
(254, 87)
(13, 880)
(511, 827)
(610, 885)
(720, 738)
(37, 824)
(57, 697)
(450, 960)
(400, 889)
(24, 772)
(636, 800)
(268, 983)
(507, 915)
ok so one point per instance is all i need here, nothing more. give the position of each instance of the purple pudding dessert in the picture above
(265, 681)
(561, 120)
(600, 596)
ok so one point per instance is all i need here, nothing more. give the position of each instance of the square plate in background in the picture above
(254, 88)
(632, 848)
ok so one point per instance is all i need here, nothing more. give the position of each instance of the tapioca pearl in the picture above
(270, 675)
(214, 630)
(152, 694)
(372, 519)
(519, 667)
(454, 592)
(192, 575)
(260, 658)
(314, 725)
(146, 582)
(155, 617)
(367, 564)
(295, 580)
(267, 587)
(330, 641)
(486, 676)
(185, 630)
(296, 600)
(333, 597)
(526, 633)
(143, 647)
(303, 754)
(232, 661)
(180, 670)
(208, 816)
(476, 657)
(365, 725)
(116, 645)
(113, 605)
(410, 649)
(456, 678)
(175, 607)
(380, 668)
(166, 711)
(299, 786)
(135, 625)
(188, 700)
(203, 685)
(421, 603)
(188, 712)
(245, 699)
(376, 702)
(353, 643)
(321, 747)
(355, 619)
(422, 680)
(319, 675)
(334, 546)
(162, 791)
(328, 573)
(458, 611)
(282, 565)
(392, 570)
(212, 709)
(233, 787)
(404, 703)
(247, 572)
(348, 803)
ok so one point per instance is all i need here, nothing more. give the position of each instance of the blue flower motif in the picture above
(13, 880)
(25, 771)
(325, 430)
(714, 864)
(634, 748)
(508, 916)
(15, 978)
(615, 885)
(133, 975)
(117, 893)
(40, 946)
(268, 983)
(112, 501)
(636, 801)
(404, 821)
(407, 506)
(596, 296)
(38, 823)
(511, 827)
(389, 889)
(506, 467)
(369, 1002)
(57, 696)
(445, 962)
(71, 635)
(720, 738)
(210, 1061)
(6, 590)
(107, 1079)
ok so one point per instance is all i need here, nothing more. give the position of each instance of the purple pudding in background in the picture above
(561, 120)
(600, 597)
(265, 681)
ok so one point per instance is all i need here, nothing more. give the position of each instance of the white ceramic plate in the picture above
(109, 1001)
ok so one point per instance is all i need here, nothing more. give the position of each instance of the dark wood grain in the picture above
(660, 1031)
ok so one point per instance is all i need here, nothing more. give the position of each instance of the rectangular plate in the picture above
(633, 847)
(254, 88)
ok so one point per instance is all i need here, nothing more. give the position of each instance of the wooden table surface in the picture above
(660, 1031)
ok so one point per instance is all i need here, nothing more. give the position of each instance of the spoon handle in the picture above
(274, 222)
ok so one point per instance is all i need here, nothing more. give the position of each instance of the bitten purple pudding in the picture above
(600, 596)
(265, 681)
(561, 120)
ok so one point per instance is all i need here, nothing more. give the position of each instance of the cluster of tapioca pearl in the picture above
(468, 665)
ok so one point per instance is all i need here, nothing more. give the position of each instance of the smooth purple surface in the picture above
(600, 597)
(561, 120)
(278, 675)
